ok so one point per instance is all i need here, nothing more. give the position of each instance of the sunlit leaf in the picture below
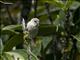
(60, 20)
(75, 5)
(20, 54)
(12, 27)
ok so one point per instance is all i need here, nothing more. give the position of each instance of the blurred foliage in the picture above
(59, 31)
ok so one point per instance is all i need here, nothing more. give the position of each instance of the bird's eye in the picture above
(35, 21)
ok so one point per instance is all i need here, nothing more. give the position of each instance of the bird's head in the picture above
(35, 21)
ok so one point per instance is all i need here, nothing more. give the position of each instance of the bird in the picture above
(32, 28)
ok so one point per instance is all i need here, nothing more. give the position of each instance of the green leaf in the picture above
(75, 5)
(67, 5)
(20, 54)
(13, 41)
(14, 55)
(77, 37)
(8, 1)
(12, 27)
(57, 3)
(6, 57)
(37, 47)
(1, 46)
(48, 29)
(60, 20)
(11, 32)
(47, 42)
